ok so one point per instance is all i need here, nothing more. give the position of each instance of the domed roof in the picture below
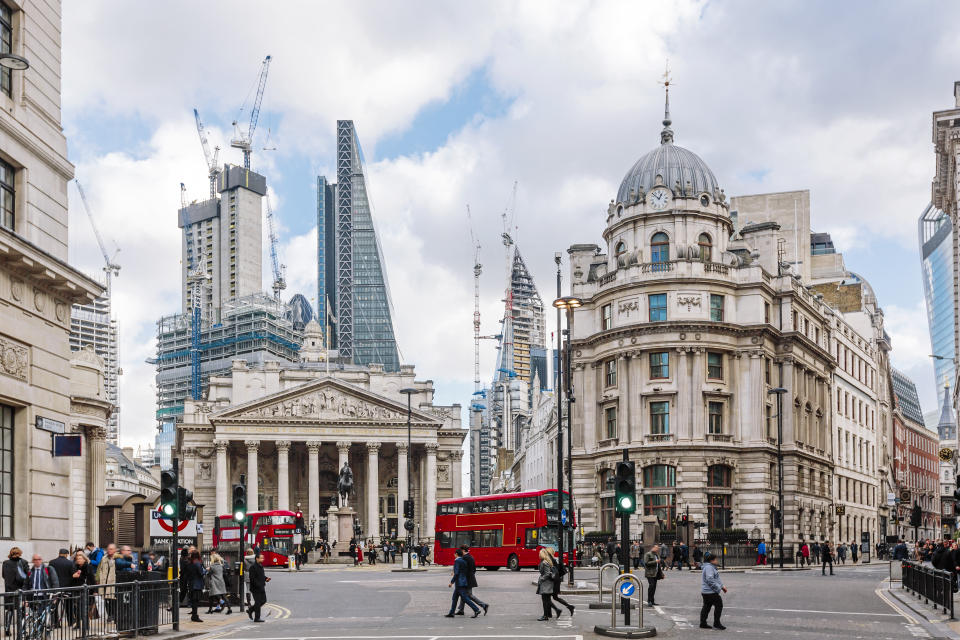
(672, 162)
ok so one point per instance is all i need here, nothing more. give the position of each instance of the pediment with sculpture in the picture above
(327, 400)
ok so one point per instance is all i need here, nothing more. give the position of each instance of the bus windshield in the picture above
(549, 500)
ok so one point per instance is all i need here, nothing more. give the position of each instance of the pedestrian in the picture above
(685, 556)
(471, 569)
(610, 549)
(761, 553)
(94, 554)
(107, 575)
(545, 584)
(804, 553)
(697, 554)
(195, 574)
(826, 552)
(842, 553)
(854, 552)
(184, 570)
(815, 551)
(635, 554)
(559, 571)
(63, 566)
(249, 559)
(258, 588)
(710, 589)
(393, 552)
(459, 582)
(359, 554)
(653, 570)
(900, 550)
(676, 557)
(15, 570)
(217, 585)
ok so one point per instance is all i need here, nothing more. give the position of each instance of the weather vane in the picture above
(666, 75)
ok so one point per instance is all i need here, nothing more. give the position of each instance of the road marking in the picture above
(836, 613)
(917, 631)
(474, 635)
(895, 607)
(282, 613)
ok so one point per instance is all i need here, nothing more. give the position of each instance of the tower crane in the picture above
(213, 159)
(279, 281)
(244, 141)
(110, 267)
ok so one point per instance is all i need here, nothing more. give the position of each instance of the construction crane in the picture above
(213, 159)
(110, 267)
(477, 270)
(242, 141)
(279, 281)
(183, 196)
(507, 354)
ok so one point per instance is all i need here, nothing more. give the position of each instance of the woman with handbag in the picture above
(15, 570)
(545, 583)
(217, 586)
(82, 575)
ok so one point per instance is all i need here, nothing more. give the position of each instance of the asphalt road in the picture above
(375, 603)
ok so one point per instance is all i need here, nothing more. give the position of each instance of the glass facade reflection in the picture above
(936, 251)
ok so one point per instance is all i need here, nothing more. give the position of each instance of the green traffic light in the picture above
(626, 503)
(239, 516)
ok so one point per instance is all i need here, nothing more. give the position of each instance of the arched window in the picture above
(659, 476)
(620, 249)
(706, 247)
(718, 475)
(659, 247)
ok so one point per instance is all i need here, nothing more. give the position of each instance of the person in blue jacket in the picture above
(710, 589)
(461, 591)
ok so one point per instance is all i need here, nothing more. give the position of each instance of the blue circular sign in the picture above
(626, 589)
(563, 516)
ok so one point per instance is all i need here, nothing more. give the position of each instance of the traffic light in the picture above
(728, 518)
(625, 486)
(776, 519)
(298, 521)
(239, 503)
(916, 516)
(684, 520)
(168, 493)
(185, 510)
(408, 509)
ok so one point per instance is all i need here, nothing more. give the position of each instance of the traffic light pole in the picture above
(624, 547)
(242, 544)
(559, 403)
(175, 550)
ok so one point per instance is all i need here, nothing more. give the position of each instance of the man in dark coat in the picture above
(471, 572)
(63, 566)
(258, 588)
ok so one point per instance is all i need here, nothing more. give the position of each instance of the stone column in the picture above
(253, 475)
(96, 478)
(430, 506)
(373, 490)
(402, 495)
(313, 479)
(188, 471)
(456, 472)
(223, 488)
(283, 474)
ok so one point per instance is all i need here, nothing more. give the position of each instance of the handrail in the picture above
(930, 584)
(613, 598)
(600, 580)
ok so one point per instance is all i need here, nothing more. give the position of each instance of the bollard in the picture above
(639, 631)
(599, 604)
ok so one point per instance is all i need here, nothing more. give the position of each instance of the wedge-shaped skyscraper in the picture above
(353, 293)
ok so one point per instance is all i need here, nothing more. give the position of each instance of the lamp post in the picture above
(408, 525)
(14, 62)
(779, 391)
(567, 303)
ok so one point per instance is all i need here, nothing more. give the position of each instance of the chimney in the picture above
(128, 451)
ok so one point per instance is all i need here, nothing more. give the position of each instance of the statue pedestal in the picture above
(345, 524)
(333, 525)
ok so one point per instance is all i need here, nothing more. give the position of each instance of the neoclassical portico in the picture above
(289, 445)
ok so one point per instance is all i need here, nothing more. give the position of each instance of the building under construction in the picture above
(255, 328)
(93, 325)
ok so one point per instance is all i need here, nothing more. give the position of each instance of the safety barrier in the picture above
(627, 586)
(600, 604)
(933, 585)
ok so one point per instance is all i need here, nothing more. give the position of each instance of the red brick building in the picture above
(916, 467)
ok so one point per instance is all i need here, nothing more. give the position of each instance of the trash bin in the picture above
(150, 597)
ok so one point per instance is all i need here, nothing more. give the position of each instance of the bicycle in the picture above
(34, 625)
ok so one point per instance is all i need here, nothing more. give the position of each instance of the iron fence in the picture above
(138, 607)
(933, 585)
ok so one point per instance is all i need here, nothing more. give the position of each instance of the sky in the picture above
(454, 102)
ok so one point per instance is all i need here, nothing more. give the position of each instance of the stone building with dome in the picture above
(689, 322)
(289, 427)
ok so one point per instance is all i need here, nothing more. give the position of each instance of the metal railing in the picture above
(70, 613)
(933, 585)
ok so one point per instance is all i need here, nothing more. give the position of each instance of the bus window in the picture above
(490, 538)
(484, 507)
(549, 500)
(531, 542)
(515, 504)
(530, 502)
(466, 507)
(445, 540)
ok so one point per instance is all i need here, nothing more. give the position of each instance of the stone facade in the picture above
(50, 506)
(290, 428)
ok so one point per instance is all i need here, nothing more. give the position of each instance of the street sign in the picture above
(891, 499)
(627, 589)
(162, 527)
(563, 516)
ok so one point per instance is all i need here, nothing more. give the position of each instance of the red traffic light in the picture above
(299, 514)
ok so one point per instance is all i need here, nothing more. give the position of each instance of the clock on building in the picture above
(659, 199)
(946, 454)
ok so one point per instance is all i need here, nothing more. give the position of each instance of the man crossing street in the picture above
(471, 575)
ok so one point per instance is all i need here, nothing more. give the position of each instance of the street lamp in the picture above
(779, 391)
(408, 525)
(568, 304)
(14, 62)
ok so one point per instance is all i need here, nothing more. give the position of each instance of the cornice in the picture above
(19, 132)
(46, 271)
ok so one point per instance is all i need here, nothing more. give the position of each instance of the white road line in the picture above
(836, 613)
(473, 635)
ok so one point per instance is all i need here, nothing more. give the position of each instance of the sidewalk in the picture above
(920, 614)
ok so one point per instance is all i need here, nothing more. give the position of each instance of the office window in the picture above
(766, 312)
(718, 475)
(715, 417)
(717, 507)
(715, 366)
(607, 480)
(662, 505)
(658, 476)
(610, 373)
(610, 414)
(766, 370)
(606, 317)
(6, 46)
(607, 517)
(660, 365)
(706, 247)
(7, 199)
(659, 418)
(716, 307)
(771, 431)
(658, 307)
(659, 248)
(6, 471)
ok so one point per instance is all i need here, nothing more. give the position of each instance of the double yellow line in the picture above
(279, 613)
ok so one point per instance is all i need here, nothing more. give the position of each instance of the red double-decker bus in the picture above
(272, 531)
(502, 530)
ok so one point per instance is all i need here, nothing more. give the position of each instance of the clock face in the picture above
(946, 454)
(658, 199)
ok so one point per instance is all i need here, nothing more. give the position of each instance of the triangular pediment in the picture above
(326, 400)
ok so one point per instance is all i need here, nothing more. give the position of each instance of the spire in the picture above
(666, 136)
(947, 426)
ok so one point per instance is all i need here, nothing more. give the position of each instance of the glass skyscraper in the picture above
(936, 251)
(352, 289)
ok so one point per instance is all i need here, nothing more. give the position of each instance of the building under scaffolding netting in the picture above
(255, 328)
